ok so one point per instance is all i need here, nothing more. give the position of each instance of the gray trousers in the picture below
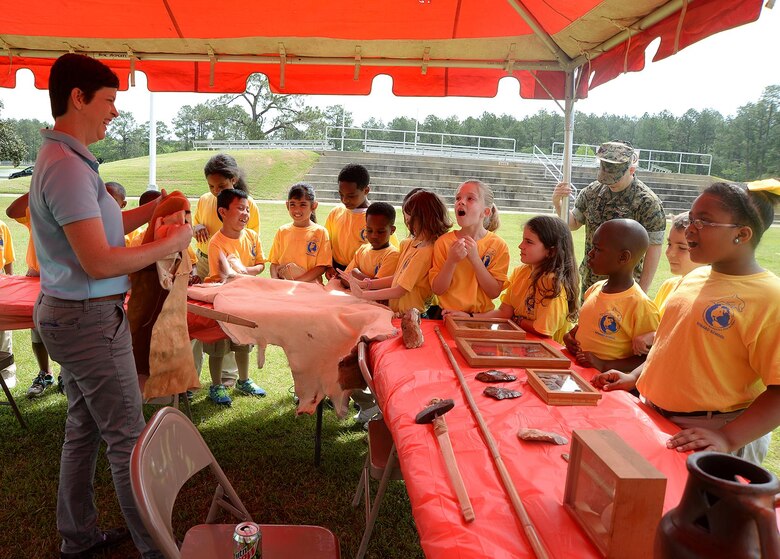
(92, 343)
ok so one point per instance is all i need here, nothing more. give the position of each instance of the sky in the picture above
(722, 72)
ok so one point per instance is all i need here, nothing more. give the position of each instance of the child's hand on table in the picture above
(697, 439)
(614, 380)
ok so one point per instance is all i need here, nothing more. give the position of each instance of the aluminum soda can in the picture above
(247, 541)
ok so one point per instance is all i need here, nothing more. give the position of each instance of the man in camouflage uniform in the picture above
(616, 193)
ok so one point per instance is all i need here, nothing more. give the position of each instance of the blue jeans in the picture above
(91, 341)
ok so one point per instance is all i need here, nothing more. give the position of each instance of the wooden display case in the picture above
(493, 328)
(562, 387)
(480, 352)
(614, 494)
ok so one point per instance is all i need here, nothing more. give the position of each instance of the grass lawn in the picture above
(269, 173)
(265, 450)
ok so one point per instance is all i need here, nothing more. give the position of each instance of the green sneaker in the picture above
(41, 383)
(249, 386)
(219, 395)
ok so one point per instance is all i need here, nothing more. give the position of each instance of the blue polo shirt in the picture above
(66, 188)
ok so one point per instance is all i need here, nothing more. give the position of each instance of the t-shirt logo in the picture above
(488, 258)
(719, 316)
(363, 234)
(376, 269)
(253, 251)
(311, 247)
(609, 324)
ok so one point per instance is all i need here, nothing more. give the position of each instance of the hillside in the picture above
(269, 172)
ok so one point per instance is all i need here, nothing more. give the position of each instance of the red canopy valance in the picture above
(429, 47)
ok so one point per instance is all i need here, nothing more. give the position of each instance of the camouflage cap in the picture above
(616, 152)
(615, 158)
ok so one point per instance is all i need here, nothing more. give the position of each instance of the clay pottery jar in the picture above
(720, 513)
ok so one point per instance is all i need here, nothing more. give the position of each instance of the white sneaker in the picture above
(364, 416)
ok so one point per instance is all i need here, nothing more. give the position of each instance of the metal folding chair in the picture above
(381, 462)
(170, 451)
(6, 360)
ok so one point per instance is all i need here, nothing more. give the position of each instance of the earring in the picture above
(736, 240)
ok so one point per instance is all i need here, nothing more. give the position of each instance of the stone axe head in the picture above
(436, 408)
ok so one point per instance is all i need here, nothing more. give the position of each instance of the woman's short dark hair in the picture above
(71, 71)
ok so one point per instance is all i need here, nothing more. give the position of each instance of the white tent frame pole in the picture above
(563, 59)
(568, 139)
(152, 145)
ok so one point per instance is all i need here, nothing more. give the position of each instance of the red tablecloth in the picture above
(405, 382)
(18, 295)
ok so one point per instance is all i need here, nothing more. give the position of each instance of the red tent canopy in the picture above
(429, 47)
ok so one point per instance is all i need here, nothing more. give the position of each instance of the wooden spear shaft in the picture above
(528, 526)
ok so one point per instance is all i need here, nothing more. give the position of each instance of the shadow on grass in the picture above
(265, 450)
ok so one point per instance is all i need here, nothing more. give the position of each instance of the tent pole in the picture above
(568, 139)
(152, 145)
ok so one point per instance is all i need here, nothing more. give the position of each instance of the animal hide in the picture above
(314, 327)
(158, 318)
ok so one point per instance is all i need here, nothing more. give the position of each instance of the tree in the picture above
(327, 123)
(163, 133)
(268, 114)
(29, 131)
(192, 123)
(12, 147)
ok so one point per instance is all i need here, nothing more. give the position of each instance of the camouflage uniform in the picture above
(596, 203)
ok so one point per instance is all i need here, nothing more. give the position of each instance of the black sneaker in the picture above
(41, 382)
(110, 538)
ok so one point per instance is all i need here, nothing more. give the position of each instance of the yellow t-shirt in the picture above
(548, 315)
(414, 263)
(307, 247)
(610, 321)
(375, 263)
(6, 246)
(664, 291)
(246, 248)
(347, 231)
(31, 259)
(464, 293)
(135, 238)
(206, 214)
(716, 348)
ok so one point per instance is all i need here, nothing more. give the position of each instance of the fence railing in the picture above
(550, 168)
(658, 161)
(349, 138)
(262, 144)
(415, 142)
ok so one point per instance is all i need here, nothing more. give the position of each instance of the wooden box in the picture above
(480, 352)
(614, 494)
(562, 387)
(493, 328)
